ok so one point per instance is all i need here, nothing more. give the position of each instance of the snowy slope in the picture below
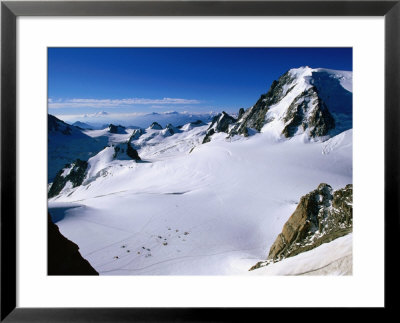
(216, 210)
(153, 143)
(333, 88)
(314, 104)
(150, 144)
(66, 143)
(333, 258)
(188, 208)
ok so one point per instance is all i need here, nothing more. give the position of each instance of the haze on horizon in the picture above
(102, 85)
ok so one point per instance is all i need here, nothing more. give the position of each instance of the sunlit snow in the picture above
(201, 209)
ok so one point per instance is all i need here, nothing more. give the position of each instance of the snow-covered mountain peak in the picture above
(314, 103)
(308, 75)
(345, 78)
(155, 125)
(300, 71)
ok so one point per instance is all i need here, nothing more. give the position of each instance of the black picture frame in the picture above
(10, 10)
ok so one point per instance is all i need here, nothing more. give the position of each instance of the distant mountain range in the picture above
(99, 121)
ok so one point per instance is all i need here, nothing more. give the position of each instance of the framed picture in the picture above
(181, 97)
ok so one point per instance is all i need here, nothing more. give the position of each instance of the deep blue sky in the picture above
(204, 78)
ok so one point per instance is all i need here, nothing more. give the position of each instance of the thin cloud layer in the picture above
(115, 103)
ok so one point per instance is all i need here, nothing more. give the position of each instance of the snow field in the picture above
(210, 209)
(333, 258)
(232, 199)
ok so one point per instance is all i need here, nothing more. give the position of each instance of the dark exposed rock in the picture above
(318, 121)
(132, 152)
(220, 123)
(197, 123)
(75, 176)
(116, 129)
(324, 108)
(336, 97)
(117, 150)
(240, 114)
(254, 117)
(125, 151)
(171, 129)
(207, 138)
(53, 123)
(64, 257)
(56, 125)
(155, 125)
(67, 131)
(136, 134)
(321, 216)
(63, 140)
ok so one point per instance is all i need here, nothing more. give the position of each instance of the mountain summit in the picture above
(303, 101)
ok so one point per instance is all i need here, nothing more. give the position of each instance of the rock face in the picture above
(136, 134)
(254, 117)
(73, 173)
(125, 151)
(306, 101)
(197, 123)
(132, 152)
(321, 216)
(156, 126)
(116, 129)
(308, 112)
(56, 125)
(170, 129)
(66, 143)
(63, 255)
(220, 123)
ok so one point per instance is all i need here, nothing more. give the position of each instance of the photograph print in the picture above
(200, 161)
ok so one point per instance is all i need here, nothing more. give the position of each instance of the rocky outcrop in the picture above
(240, 113)
(321, 216)
(55, 124)
(170, 130)
(302, 101)
(125, 151)
(66, 143)
(254, 117)
(73, 173)
(132, 152)
(197, 123)
(63, 255)
(116, 129)
(156, 126)
(220, 123)
(310, 113)
(136, 134)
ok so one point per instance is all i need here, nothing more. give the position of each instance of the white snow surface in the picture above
(67, 170)
(333, 258)
(303, 79)
(214, 211)
(345, 77)
(66, 148)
